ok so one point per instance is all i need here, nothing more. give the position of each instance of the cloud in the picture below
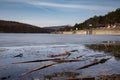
(62, 5)
(70, 6)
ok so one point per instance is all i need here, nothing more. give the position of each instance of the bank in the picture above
(99, 31)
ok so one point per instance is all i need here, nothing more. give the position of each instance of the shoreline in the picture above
(99, 31)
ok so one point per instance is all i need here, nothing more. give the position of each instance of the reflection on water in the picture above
(112, 49)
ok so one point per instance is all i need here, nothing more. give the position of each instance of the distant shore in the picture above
(99, 31)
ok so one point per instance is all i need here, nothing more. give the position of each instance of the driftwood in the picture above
(48, 65)
(94, 63)
(65, 60)
(42, 67)
(62, 54)
(42, 60)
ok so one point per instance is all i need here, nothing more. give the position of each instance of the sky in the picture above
(45, 13)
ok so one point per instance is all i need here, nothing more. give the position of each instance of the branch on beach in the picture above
(94, 63)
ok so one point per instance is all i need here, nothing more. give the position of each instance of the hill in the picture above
(60, 28)
(111, 19)
(16, 27)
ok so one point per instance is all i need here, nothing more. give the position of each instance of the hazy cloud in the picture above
(61, 5)
(72, 6)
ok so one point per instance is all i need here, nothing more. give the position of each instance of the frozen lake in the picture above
(11, 40)
(41, 46)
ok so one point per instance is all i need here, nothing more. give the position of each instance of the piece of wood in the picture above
(94, 63)
(42, 60)
(65, 60)
(48, 65)
(39, 68)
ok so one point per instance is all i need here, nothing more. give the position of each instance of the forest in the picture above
(16, 27)
(100, 21)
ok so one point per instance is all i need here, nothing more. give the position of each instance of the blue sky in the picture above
(54, 12)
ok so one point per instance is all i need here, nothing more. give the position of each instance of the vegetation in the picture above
(100, 21)
(112, 49)
(16, 27)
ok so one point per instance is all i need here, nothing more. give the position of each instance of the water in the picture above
(41, 46)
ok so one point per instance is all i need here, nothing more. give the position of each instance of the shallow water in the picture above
(40, 46)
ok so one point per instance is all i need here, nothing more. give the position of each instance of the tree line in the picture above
(100, 21)
(16, 27)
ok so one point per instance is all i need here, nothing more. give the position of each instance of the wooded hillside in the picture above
(16, 27)
(100, 21)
